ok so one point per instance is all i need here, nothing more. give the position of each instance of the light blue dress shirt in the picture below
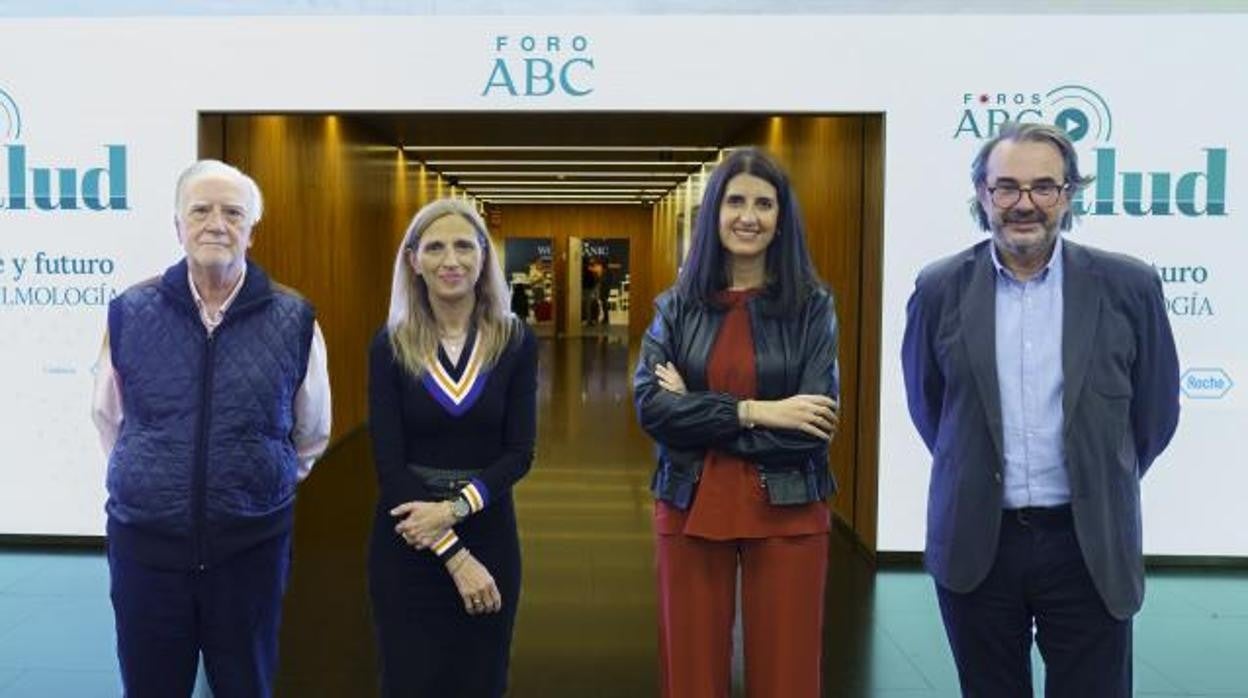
(1029, 374)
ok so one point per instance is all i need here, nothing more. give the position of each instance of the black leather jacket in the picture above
(794, 355)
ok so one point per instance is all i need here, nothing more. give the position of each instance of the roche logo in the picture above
(10, 119)
(29, 185)
(1206, 383)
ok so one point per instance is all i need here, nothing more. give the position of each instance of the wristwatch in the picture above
(460, 508)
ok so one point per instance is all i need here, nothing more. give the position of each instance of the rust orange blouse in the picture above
(730, 501)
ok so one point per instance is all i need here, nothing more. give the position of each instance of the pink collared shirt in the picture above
(312, 401)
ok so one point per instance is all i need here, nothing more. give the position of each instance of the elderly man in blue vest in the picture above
(1042, 375)
(212, 400)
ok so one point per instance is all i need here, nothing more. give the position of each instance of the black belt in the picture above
(1043, 517)
(442, 483)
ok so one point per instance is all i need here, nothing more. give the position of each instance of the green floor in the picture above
(1191, 639)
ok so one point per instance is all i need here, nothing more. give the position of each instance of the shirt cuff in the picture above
(446, 546)
(477, 494)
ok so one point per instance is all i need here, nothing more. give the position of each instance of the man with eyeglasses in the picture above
(1043, 378)
(212, 401)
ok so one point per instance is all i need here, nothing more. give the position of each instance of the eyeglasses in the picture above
(1043, 195)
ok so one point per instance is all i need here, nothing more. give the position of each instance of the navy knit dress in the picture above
(457, 416)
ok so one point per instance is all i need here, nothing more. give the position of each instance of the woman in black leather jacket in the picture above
(737, 384)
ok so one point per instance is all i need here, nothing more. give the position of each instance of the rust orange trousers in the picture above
(782, 585)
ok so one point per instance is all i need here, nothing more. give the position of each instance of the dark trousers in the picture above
(230, 612)
(1039, 578)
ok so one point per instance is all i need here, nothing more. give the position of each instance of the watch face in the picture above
(460, 508)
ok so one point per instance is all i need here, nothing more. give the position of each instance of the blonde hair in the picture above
(412, 327)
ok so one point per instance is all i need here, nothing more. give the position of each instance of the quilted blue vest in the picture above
(204, 465)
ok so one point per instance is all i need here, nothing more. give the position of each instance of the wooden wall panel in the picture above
(823, 156)
(336, 206)
(866, 498)
(211, 136)
(665, 240)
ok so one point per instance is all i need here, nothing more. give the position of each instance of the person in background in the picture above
(520, 300)
(590, 281)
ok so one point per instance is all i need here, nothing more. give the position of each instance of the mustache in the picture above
(1035, 215)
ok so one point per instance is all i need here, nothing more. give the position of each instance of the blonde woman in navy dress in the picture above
(452, 401)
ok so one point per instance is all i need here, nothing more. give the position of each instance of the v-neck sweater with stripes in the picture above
(461, 416)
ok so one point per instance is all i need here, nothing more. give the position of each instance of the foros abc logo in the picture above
(1086, 118)
(1079, 111)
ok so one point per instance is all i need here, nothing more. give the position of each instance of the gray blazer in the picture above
(1120, 405)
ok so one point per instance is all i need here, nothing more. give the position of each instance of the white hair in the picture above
(216, 168)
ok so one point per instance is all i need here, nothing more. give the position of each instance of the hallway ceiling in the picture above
(629, 158)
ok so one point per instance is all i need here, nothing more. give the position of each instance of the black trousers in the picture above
(428, 646)
(1039, 580)
(231, 613)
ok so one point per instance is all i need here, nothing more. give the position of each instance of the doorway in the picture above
(564, 177)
